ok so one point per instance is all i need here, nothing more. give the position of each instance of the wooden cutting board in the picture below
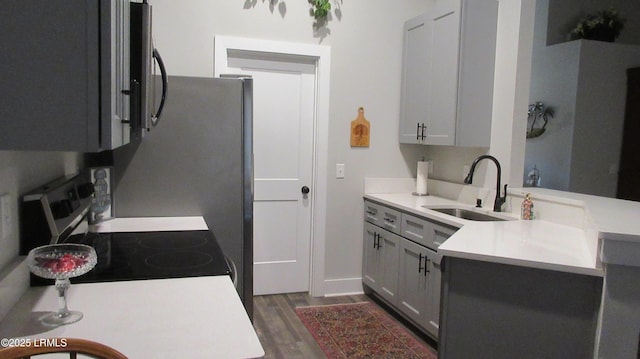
(360, 130)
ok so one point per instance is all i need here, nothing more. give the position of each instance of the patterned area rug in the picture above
(360, 330)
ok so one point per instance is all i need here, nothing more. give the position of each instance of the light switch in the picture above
(340, 170)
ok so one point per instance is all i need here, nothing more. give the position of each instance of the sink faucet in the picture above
(499, 201)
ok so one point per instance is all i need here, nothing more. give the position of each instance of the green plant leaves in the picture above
(321, 8)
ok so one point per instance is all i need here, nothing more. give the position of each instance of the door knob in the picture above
(305, 190)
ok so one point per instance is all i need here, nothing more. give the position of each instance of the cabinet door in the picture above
(430, 76)
(389, 248)
(413, 281)
(380, 262)
(415, 79)
(443, 75)
(432, 318)
(371, 262)
(69, 65)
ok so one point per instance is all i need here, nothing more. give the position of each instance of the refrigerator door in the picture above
(198, 161)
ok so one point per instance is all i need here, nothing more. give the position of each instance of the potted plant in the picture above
(603, 25)
(538, 111)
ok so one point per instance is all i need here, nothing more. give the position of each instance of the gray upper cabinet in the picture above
(65, 75)
(447, 75)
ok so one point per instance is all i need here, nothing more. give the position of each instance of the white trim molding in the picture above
(321, 57)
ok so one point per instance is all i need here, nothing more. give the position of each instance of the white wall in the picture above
(564, 14)
(366, 48)
(585, 83)
(20, 172)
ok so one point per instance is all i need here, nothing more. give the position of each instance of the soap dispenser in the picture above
(527, 208)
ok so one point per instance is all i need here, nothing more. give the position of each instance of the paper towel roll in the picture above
(422, 177)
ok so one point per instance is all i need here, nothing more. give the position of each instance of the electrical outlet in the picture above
(5, 216)
(340, 170)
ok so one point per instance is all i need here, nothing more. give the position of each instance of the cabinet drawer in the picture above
(382, 216)
(425, 232)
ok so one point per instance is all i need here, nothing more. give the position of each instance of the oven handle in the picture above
(234, 270)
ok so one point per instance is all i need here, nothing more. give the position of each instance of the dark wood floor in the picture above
(281, 332)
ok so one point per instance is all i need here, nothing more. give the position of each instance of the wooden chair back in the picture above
(72, 346)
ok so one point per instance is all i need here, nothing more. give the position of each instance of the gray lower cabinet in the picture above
(404, 269)
(493, 310)
(380, 264)
(419, 281)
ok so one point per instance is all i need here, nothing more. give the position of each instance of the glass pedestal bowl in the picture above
(61, 262)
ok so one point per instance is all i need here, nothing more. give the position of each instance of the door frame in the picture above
(321, 56)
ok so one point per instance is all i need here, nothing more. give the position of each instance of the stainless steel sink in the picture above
(466, 214)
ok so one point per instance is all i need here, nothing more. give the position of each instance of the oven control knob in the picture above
(61, 209)
(85, 190)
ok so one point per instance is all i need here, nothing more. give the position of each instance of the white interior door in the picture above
(283, 117)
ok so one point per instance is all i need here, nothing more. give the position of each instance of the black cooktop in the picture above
(150, 255)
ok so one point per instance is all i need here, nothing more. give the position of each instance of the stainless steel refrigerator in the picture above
(197, 161)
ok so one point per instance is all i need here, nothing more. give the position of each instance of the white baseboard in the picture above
(347, 286)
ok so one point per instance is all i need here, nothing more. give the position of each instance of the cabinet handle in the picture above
(375, 237)
(371, 212)
(424, 127)
(426, 266)
(155, 118)
(418, 132)
(387, 219)
(420, 263)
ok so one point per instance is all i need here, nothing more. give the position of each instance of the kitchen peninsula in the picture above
(536, 285)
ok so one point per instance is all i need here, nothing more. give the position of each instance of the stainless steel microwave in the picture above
(144, 112)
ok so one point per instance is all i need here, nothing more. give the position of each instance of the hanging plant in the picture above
(604, 25)
(538, 111)
(320, 8)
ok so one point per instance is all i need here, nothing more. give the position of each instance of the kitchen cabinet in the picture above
(380, 264)
(447, 74)
(404, 269)
(419, 281)
(494, 310)
(66, 75)
(425, 232)
(382, 216)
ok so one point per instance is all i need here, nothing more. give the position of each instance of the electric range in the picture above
(58, 213)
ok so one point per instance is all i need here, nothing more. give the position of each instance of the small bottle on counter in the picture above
(527, 208)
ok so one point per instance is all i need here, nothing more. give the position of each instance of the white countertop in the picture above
(537, 243)
(151, 224)
(615, 219)
(200, 317)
